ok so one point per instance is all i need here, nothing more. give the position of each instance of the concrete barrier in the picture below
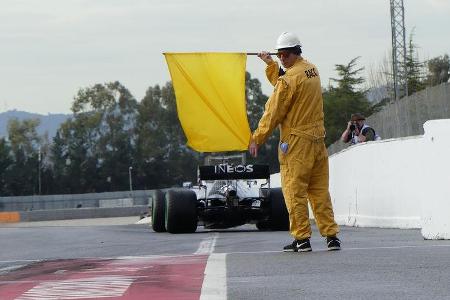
(77, 206)
(67, 214)
(123, 202)
(436, 181)
(377, 184)
(48, 202)
(82, 213)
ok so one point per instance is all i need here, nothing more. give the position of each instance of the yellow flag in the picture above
(210, 93)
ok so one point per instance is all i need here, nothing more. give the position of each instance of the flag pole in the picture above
(256, 53)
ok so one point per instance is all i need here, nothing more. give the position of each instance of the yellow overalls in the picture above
(297, 106)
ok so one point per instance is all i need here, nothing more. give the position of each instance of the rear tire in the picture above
(181, 211)
(158, 211)
(279, 217)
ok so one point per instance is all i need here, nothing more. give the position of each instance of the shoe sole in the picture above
(299, 250)
(334, 248)
(305, 250)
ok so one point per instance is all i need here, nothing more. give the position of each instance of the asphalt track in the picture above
(117, 259)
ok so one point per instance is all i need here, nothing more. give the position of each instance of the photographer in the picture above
(357, 131)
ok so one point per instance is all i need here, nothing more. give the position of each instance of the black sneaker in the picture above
(298, 246)
(333, 243)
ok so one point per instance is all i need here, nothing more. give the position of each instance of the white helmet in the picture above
(287, 40)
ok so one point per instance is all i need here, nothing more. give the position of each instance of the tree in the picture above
(74, 154)
(22, 176)
(182, 160)
(349, 78)
(6, 162)
(414, 68)
(344, 99)
(438, 70)
(96, 145)
(149, 153)
(162, 158)
(59, 153)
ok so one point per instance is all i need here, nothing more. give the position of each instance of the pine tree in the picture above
(414, 68)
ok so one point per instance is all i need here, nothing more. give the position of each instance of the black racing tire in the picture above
(181, 211)
(279, 217)
(158, 211)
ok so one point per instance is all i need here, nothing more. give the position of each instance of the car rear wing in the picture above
(230, 172)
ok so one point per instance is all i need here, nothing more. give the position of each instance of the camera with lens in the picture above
(352, 127)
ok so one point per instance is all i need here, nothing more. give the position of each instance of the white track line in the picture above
(207, 245)
(214, 285)
(215, 281)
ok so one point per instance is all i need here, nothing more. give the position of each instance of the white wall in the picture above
(399, 183)
(436, 204)
(376, 184)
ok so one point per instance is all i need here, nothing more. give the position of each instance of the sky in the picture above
(49, 49)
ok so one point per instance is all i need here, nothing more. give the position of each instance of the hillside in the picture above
(49, 123)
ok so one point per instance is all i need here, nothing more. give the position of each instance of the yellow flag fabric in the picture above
(210, 95)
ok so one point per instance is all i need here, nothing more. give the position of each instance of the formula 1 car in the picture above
(227, 195)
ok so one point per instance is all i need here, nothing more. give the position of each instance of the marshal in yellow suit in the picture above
(296, 105)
